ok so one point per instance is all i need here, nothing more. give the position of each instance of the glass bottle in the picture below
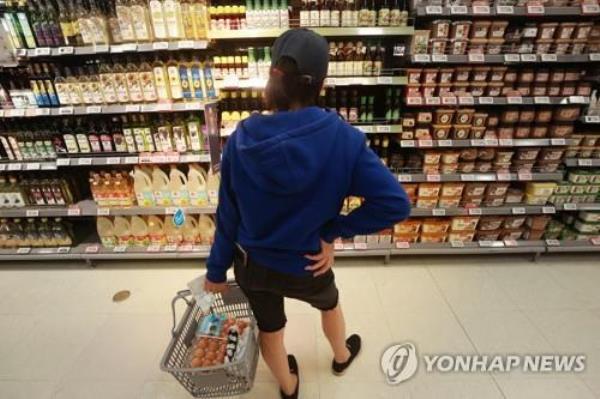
(174, 79)
(336, 10)
(395, 14)
(187, 19)
(54, 25)
(133, 82)
(173, 18)
(60, 84)
(140, 15)
(78, 40)
(113, 24)
(304, 14)
(66, 26)
(157, 15)
(125, 20)
(363, 14)
(147, 82)
(84, 86)
(200, 18)
(383, 17)
(185, 79)
(24, 25)
(354, 13)
(358, 60)
(120, 76)
(99, 24)
(325, 14)
(95, 84)
(161, 80)
(73, 88)
(196, 78)
(37, 25)
(85, 24)
(108, 83)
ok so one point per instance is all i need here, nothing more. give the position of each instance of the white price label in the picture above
(438, 212)
(384, 80)
(14, 166)
(42, 112)
(595, 241)
(131, 160)
(505, 10)
(145, 158)
(348, 246)
(17, 112)
(120, 248)
(449, 100)
(92, 249)
(102, 211)
(173, 158)
(402, 245)
(590, 9)
(478, 143)
(41, 51)
(518, 211)
(466, 100)
(129, 47)
(476, 58)
(457, 10)
(113, 161)
(433, 101)
(486, 100)
(153, 248)
(23, 251)
(330, 82)
(514, 100)
(541, 100)
(149, 107)
(383, 129)
(48, 166)
(457, 244)
(185, 44)
(549, 57)
(185, 248)
(467, 177)
(338, 246)
(32, 166)
(503, 176)
(200, 248)
(193, 106)
(63, 250)
(433, 10)
(101, 48)
(434, 178)
(164, 107)
(425, 143)
(445, 143)
(63, 162)
(585, 162)
(84, 161)
(512, 58)
(32, 213)
(65, 110)
(548, 210)
(475, 211)
(360, 246)
(558, 141)
(552, 243)
(528, 57)
(159, 158)
(536, 10)
(525, 176)
(595, 57)
(577, 100)
(490, 142)
(407, 143)
(65, 50)
(592, 119)
(405, 178)
(2, 166)
(46, 251)
(510, 243)
(21, 52)
(132, 108)
(116, 48)
(422, 58)
(160, 46)
(170, 210)
(486, 243)
(414, 100)
(439, 58)
(73, 211)
(481, 10)
(365, 129)
(93, 109)
(570, 206)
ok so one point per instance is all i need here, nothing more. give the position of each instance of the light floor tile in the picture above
(544, 388)
(26, 389)
(97, 389)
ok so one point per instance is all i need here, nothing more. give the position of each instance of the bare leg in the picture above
(334, 328)
(275, 355)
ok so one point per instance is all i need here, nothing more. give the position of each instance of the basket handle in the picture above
(180, 295)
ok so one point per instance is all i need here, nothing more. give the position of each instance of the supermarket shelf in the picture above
(362, 128)
(499, 210)
(578, 207)
(333, 31)
(32, 165)
(115, 48)
(475, 248)
(503, 58)
(543, 100)
(582, 162)
(35, 211)
(481, 177)
(260, 83)
(144, 158)
(574, 246)
(59, 253)
(485, 143)
(590, 119)
(106, 109)
(506, 11)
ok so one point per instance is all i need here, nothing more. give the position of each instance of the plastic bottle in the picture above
(178, 187)
(190, 231)
(122, 231)
(156, 232)
(173, 233)
(142, 185)
(197, 186)
(206, 229)
(212, 187)
(139, 231)
(160, 187)
(106, 231)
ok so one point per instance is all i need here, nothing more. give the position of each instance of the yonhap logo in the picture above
(399, 362)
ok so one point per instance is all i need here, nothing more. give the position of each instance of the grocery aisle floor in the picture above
(62, 337)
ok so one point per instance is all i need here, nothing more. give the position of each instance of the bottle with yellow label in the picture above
(173, 18)
(140, 15)
(133, 82)
(120, 76)
(200, 18)
(157, 16)
(161, 80)
(187, 19)
(73, 88)
(174, 79)
(60, 83)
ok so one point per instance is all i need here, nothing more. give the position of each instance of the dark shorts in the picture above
(266, 288)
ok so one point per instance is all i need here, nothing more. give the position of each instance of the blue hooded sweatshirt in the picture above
(284, 178)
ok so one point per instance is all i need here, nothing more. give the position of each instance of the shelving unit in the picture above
(324, 31)
(480, 177)
(329, 82)
(485, 143)
(586, 162)
(506, 11)
(451, 100)
(504, 58)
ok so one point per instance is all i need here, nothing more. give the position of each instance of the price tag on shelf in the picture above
(438, 212)
(145, 158)
(348, 246)
(383, 129)
(439, 58)
(153, 248)
(84, 161)
(93, 109)
(458, 10)
(132, 108)
(92, 249)
(32, 213)
(518, 211)
(422, 58)
(365, 129)
(490, 142)
(173, 157)
(63, 250)
(129, 47)
(101, 48)
(476, 58)
(552, 243)
(585, 162)
(592, 119)
(414, 100)
(48, 166)
(149, 107)
(577, 100)
(42, 51)
(63, 162)
(120, 248)
(590, 8)
(73, 211)
(407, 143)
(193, 106)
(46, 251)
(21, 52)
(23, 251)
(14, 166)
(444, 143)
(338, 246)
(433, 101)
(510, 243)
(486, 100)
(170, 210)
(449, 100)
(466, 100)
(528, 58)
(65, 50)
(19, 112)
(42, 112)
(434, 178)
(65, 110)
(164, 107)
(159, 158)
(467, 177)
(185, 248)
(515, 100)
(481, 10)
(200, 248)
(103, 211)
(478, 143)
(131, 160)
(425, 143)
(433, 10)
(360, 246)
(570, 206)
(541, 100)
(530, 32)
(32, 166)
(402, 245)
(548, 210)
(558, 141)
(523, 176)
(503, 176)
(475, 211)
(185, 44)
(2, 166)
(536, 10)
(457, 244)
(507, 10)
(512, 58)
(190, 158)
(113, 161)
(384, 80)
(595, 241)
(595, 57)
(488, 244)
(549, 57)
(116, 48)
(405, 178)
(160, 46)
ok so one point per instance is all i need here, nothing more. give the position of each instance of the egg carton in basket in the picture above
(230, 378)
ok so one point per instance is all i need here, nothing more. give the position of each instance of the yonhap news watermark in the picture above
(399, 362)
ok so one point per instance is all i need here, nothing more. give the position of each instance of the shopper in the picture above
(284, 178)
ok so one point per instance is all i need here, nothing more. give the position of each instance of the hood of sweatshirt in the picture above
(285, 153)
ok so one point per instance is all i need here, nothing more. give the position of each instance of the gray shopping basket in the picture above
(227, 379)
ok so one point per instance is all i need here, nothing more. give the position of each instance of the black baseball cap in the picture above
(308, 49)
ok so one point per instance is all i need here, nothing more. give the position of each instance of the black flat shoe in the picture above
(353, 344)
(294, 370)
